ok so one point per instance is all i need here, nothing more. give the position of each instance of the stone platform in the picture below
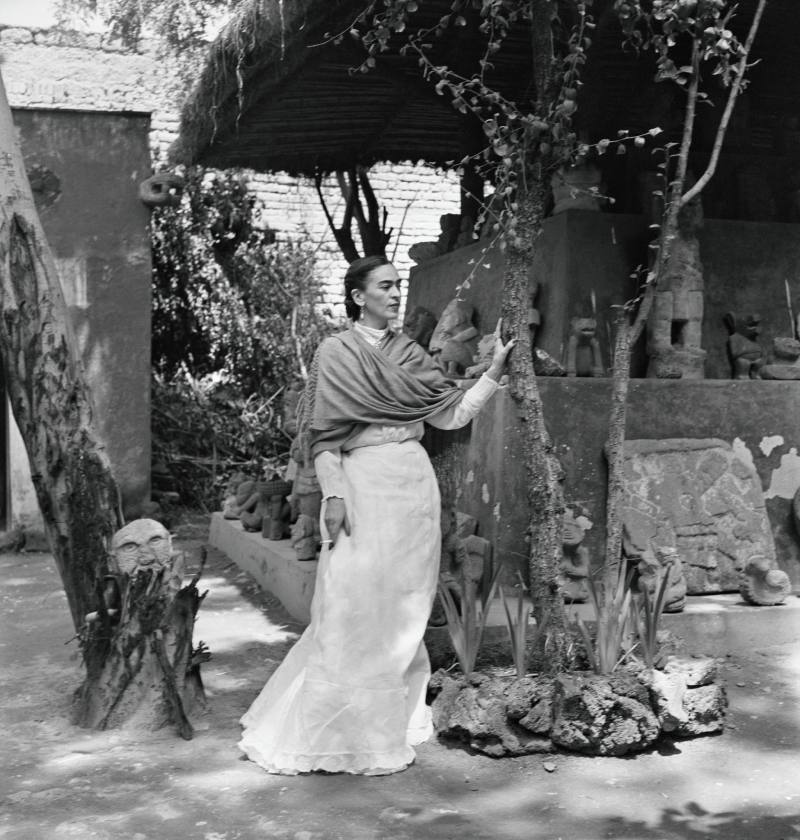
(271, 563)
(710, 625)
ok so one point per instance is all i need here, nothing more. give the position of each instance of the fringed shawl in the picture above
(353, 384)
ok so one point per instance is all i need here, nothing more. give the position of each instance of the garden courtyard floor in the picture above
(57, 781)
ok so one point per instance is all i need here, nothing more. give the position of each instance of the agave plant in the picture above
(466, 621)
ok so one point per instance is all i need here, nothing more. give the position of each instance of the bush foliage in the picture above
(237, 317)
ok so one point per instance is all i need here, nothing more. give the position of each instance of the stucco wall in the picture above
(97, 230)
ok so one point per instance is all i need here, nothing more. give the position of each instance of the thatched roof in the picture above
(277, 94)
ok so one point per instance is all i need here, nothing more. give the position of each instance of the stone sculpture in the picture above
(573, 576)
(230, 504)
(650, 567)
(744, 351)
(702, 498)
(151, 675)
(419, 325)
(161, 190)
(577, 188)
(763, 585)
(450, 340)
(784, 362)
(583, 343)
(484, 360)
(305, 538)
(275, 506)
(674, 330)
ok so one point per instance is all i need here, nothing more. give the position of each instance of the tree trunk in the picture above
(71, 473)
(76, 491)
(545, 498)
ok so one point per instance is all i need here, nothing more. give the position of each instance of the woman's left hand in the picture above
(501, 351)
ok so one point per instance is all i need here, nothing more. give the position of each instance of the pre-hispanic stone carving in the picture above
(784, 362)
(763, 585)
(703, 499)
(577, 188)
(484, 360)
(161, 190)
(273, 499)
(449, 342)
(151, 675)
(573, 576)
(419, 325)
(744, 351)
(650, 566)
(674, 330)
(583, 349)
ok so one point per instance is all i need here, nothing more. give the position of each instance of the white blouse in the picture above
(328, 464)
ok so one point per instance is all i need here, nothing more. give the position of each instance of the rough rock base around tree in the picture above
(625, 712)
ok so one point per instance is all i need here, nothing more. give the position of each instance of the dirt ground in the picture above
(59, 781)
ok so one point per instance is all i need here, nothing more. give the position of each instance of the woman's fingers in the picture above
(335, 519)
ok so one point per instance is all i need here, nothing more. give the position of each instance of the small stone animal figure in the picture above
(744, 351)
(763, 586)
(582, 342)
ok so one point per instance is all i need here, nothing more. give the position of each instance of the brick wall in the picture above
(85, 71)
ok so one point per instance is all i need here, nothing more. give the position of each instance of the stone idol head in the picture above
(140, 545)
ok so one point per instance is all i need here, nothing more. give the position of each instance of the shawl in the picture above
(354, 384)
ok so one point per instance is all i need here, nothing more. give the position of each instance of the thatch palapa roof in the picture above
(277, 93)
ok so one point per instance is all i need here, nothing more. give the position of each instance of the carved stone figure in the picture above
(674, 330)
(141, 544)
(650, 566)
(744, 351)
(161, 190)
(583, 343)
(577, 188)
(703, 498)
(152, 674)
(573, 575)
(276, 509)
(419, 325)
(784, 362)
(305, 537)
(763, 585)
(230, 504)
(484, 360)
(449, 342)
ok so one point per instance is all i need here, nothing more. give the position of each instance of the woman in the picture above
(350, 695)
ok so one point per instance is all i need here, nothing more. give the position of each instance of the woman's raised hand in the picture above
(501, 351)
(335, 520)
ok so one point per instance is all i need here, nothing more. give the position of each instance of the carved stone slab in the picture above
(701, 497)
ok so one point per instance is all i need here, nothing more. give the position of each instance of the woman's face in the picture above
(380, 298)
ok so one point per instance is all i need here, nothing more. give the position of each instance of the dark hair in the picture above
(356, 278)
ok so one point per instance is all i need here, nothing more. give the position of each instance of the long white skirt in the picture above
(350, 695)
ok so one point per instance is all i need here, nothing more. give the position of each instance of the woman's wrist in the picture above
(494, 372)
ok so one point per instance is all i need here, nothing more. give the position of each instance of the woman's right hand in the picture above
(335, 519)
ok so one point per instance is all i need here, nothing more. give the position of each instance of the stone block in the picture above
(701, 497)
